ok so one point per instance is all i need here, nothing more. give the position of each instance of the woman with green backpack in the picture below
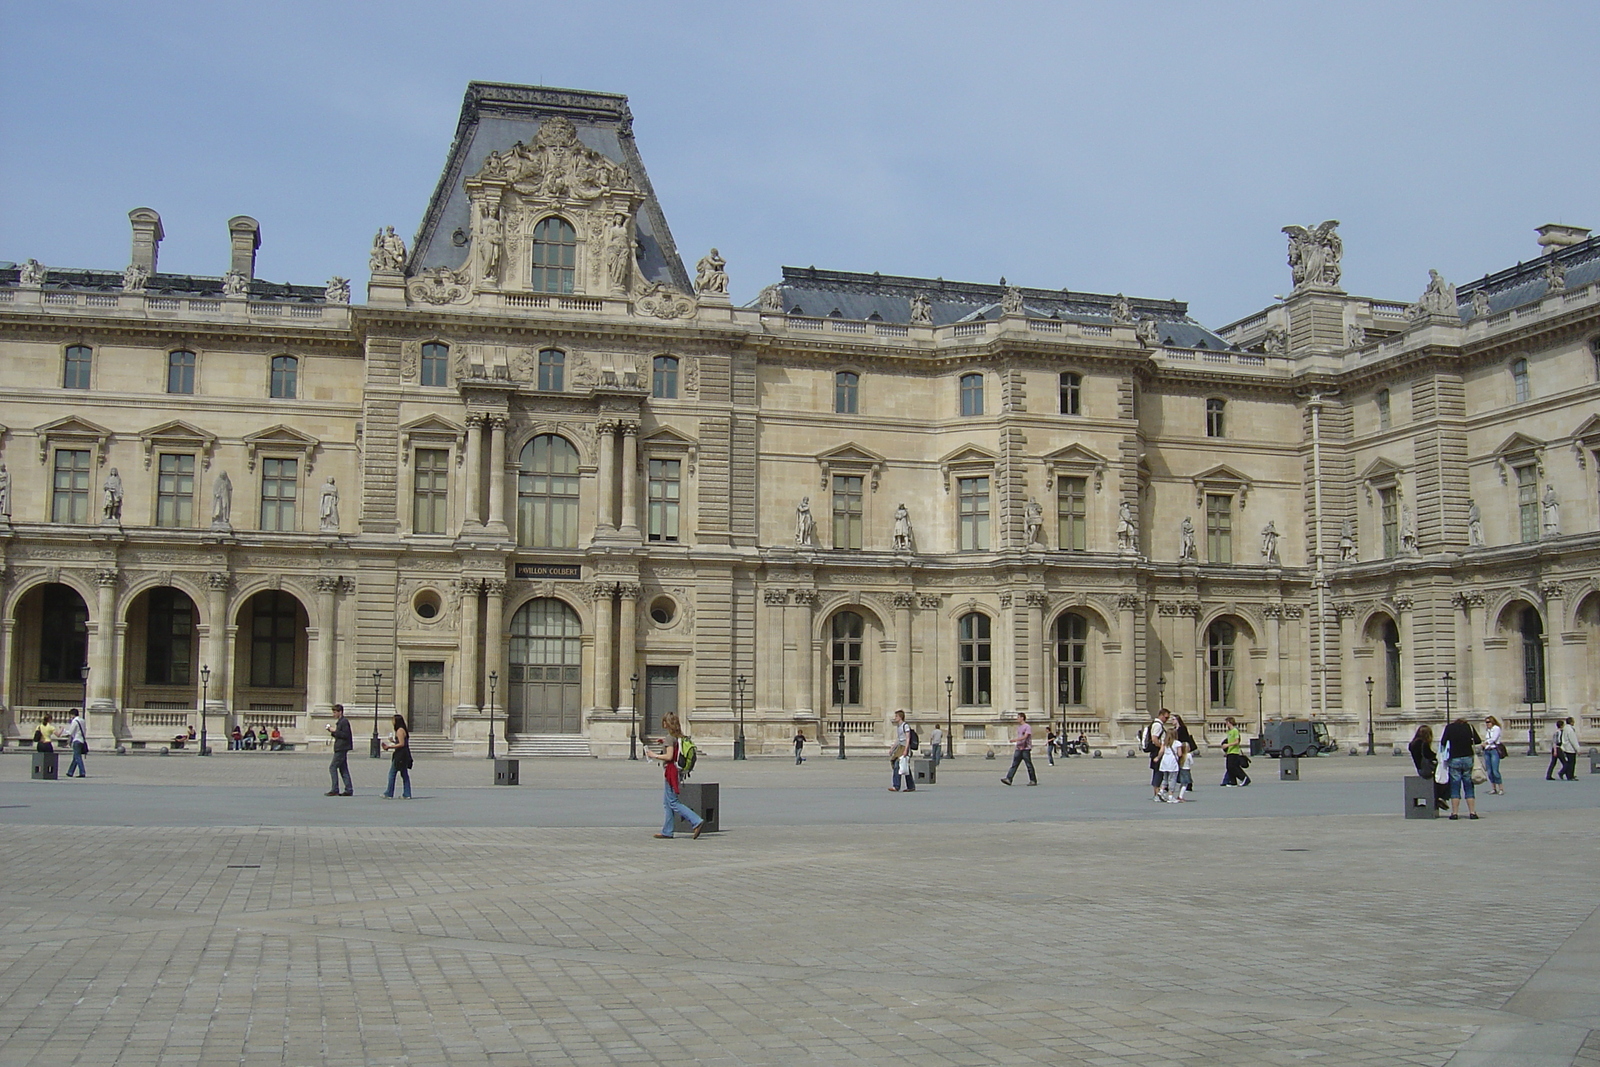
(669, 766)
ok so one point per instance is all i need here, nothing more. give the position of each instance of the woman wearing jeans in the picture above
(669, 768)
(1459, 740)
(400, 760)
(1491, 755)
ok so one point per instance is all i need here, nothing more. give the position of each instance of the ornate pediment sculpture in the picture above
(1314, 254)
(665, 302)
(441, 285)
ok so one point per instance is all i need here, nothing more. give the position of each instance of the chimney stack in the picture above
(1554, 236)
(246, 234)
(147, 236)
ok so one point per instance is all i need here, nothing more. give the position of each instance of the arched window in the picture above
(545, 664)
(1220, 637)
(552, 370)
(168, 637)
(274, 619)
(75, 373)
(1071, 388)
(1383, 409)
(285, 377)
(1072, 643)
(1532, 657)
(63, 634)
(435, 364)
(972, 394)
(555, 256)
(1391, 664)
(845, 385)
(664, 378)
(1519, 380)
(1215, 406)
(547, 493)
(972, 639)
(845, 658)
(180, 371)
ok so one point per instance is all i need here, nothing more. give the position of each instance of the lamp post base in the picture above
(738, 747)
(376, 749)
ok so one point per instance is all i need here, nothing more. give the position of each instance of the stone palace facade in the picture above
(547, 478)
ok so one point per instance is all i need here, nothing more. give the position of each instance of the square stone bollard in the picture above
(1419, 798)
(46, 765)
(1594, 761)
(1288, 768)
(924, 772)
(703, 800)
(507, 771)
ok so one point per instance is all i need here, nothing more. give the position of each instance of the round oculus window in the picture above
(663, 611)
(426, 604)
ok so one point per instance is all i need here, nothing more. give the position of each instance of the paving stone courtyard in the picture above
(189, 911)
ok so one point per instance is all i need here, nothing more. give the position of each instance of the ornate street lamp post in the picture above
(1448, 678)
(949, 717)
(205, 691)
(377, 746)
(738, 742)
(1261, 712)
(494, 679)
(838, 711)
(633, 721)
(1371, 749)
(1527, 691)
(83, 672)
(1161, 692)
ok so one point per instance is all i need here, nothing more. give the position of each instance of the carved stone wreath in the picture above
(441, 285)
(664, 302)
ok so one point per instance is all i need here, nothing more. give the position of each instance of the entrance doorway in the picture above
(546, 662)
(660, 697)
(427, 697)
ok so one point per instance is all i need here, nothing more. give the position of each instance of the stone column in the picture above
(497, 473)
(606, 516)
(1352, 683)
(215, 655)
(1003, 658)
(630, 479)
(103, 643)
(1187, 639)
(1125, 696)
(494, 640)
(1466, 667)
(605, 671)
(474, 506)
(1408, 663)
(8, 651)
(1042, 702)
(327, 656)
(1270, 671)
(804, 670)
(1556, 697)
(467, 669)
(627, 644)
(903, 603)
(770, 673)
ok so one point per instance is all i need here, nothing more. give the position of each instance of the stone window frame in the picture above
(1521, 380)
(962, 392)
(1075, 461)
(178, 436)
(1216, 412)
(301, 480)
(439, 434)
(194, 372)
(854, 390)
(74, 432)
(1516, 453)
(667, 443)
(579, 268)
(295, 376)
(969, 462)
(656, 375)
(1074, 390)
(422, 361)
(1384, 399)
(92, 361)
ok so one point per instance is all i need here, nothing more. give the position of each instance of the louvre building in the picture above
(547, 480)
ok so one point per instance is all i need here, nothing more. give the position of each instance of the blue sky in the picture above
(1149, 148)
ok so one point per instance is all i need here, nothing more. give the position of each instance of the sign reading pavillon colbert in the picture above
(561, 571)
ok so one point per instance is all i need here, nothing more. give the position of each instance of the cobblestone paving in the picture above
(1350, 939)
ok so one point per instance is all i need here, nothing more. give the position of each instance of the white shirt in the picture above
(1569, 739)
(1492, 738)
(1169, 759)
(76, 731)
(937, 737)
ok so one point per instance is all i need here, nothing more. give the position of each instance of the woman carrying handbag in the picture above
(399, 746)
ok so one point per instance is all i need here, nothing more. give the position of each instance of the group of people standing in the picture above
(1564, 750)
(1451, 762)
(1171, 748)
(76, 734)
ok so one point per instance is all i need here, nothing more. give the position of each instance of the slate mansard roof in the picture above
(494, 117)
(887, 298)
(1529, 281)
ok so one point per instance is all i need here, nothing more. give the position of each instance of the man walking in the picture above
(78, 738)
(1568, 746)
(1233, 752)
(343, 742)
(936, 741)
(1154, 738)
(900, 757)
(1556, 761)
(1022, 752)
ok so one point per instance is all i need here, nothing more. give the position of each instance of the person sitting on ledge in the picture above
(236, 740)
(248, 740)
(261, 739)
(275, 741)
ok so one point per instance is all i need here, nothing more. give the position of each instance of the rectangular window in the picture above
(845, 386)
(552, 370)
(664, 378)
(175, 491)
(435, 365)
(1214, 412)
(69, 501)
(272, 640)
(1071, 390)
(1389, 508)
(430, 491)
(971, 394)
(1219, 528)
(972, 496)
(846, 511)
(180, 372)
(1071, 512)
(665, 491)
(1528, 502)
(279, 489)
(78, 363)
(285, 377)
(169, 638)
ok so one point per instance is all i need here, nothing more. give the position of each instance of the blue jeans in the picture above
(405, 776)
(674, 806)
(78, 749)
(1461, 778)
(938, 754)
(1491, 764)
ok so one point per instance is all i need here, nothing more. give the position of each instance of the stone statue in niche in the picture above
(1269, 544)
(338, 290)
(488, 242)
(619, 246)
(1127, 531)
(1347, 543)
(328, 510)
(1033, 520)
(805, 526)
(902, 530)
(1474, 525)
(711, 274)
(1408, 533)
(388, 252)
(1314, 254)
(5, 493)
(921, 310)
(221, 502)
(111, 507)
(1439, 298)
(1121, 311)
(1552, 512)
(1480, 304)
(1188, 550)
(134, 278)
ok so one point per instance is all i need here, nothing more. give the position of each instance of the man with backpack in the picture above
(900, 756)
(1150, 740)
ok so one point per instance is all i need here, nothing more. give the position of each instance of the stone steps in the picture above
(530, 746)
